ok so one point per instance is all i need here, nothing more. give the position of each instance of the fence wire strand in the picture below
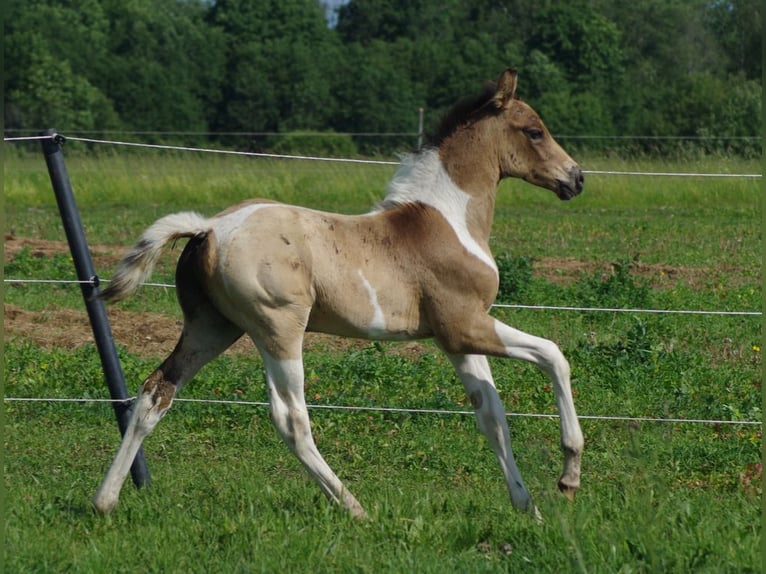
(494, 305)
(398, 410)
(349, 160)
(386, 134)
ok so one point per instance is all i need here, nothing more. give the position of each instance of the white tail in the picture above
(138, 263)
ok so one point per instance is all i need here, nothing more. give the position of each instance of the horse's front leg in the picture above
(475, 373)
(485, 335)
(549, 358)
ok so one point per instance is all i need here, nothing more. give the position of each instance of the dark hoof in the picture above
(568, 491)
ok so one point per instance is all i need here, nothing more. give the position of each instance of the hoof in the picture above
(355, 509)
(359, 514)
(102, 508)
(568, 491)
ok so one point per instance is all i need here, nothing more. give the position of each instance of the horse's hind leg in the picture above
(204, 337)
(290, 416)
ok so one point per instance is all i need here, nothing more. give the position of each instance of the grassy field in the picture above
(227, 496)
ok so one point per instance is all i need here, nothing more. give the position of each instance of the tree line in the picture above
(687, 69)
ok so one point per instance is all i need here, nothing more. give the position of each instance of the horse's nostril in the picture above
(579, 179)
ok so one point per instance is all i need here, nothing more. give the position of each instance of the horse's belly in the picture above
(365, 319)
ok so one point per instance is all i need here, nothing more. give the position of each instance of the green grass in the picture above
(655, 498)
(227, 496)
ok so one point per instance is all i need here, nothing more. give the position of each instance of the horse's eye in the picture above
(534, 134)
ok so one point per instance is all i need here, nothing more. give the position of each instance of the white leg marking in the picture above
(547, 356)
(290, 416)
(377, 326)
(147, 412)
(476, 376)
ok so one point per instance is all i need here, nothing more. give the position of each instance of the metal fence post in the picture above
(89, 281)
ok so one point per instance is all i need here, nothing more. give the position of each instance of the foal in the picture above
(417, 266)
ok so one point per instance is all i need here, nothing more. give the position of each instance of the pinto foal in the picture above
(417, 266)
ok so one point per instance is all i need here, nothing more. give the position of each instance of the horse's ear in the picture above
(506, 88)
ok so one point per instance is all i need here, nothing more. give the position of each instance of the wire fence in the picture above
(343, 160)
(497, 305)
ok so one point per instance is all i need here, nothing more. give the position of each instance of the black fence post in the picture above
(89, 281)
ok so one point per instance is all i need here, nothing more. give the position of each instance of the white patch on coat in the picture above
(377, 326)
(227, 226)
(226, 229)
(422, 178)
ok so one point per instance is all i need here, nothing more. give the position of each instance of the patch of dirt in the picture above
(104, 256)
(148, 335)
(564, 271)
(39, 247)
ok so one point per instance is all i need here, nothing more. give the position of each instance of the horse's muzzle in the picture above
(568, 188)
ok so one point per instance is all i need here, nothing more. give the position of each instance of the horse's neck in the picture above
(460, 186)
(473, 169)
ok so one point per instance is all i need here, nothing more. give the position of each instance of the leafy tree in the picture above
(279, 65)
(441, 51)
(389, 20)
(584, 43)
(163, 58)
(653, 67)
(50, 50)
(51, 95)
(708, 105)
(675, 59)
(374, 94)
(738, 27)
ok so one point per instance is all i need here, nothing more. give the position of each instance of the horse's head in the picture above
(525, 146)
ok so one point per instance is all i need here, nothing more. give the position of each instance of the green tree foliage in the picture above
(165, 64)
(52, 52)
(374, 93)
(738, 26)
(684, 68)
(280, 63)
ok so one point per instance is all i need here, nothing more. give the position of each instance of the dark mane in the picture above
(462, 112)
